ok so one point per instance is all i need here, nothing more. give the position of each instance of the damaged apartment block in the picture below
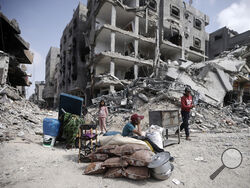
(51, 75)
(109, 43)
(72, 73)
(14, 54)
(128, 39)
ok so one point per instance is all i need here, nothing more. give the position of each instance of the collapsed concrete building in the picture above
(108, 44)
(50, 89)
(225, 39)
(14, 54)
(37, 96)
(128, 38)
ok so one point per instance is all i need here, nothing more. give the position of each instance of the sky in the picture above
(42, 23)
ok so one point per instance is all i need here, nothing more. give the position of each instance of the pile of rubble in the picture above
(227, 119)
(210, 81)
(18, 116)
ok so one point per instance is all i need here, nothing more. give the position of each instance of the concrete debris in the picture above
(143, 97)
(211, 79)
(210, 82)
(18, 116)
(106, 80)
(10, 92)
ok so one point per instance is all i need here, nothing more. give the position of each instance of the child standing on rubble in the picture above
(103, 114)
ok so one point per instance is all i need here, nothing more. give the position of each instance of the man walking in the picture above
(186, 106)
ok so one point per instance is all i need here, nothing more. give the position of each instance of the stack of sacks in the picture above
(128, 160)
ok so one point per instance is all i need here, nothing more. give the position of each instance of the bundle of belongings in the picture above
(121, 156)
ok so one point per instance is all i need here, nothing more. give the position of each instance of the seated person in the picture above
(130, 127)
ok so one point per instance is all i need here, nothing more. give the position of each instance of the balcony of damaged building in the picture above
(17, 51)
(107, 80)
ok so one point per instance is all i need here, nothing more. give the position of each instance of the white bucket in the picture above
(48, 141)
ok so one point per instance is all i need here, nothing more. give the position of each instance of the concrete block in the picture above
(185, 65)
(173, 73)
(4, 67)
(224, 78)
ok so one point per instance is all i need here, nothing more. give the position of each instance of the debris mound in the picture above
(18, 116)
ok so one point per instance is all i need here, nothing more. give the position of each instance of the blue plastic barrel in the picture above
(51, 127)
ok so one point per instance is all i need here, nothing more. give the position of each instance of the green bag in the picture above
(71, 123)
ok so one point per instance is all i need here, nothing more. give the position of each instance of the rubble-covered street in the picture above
(26, 163)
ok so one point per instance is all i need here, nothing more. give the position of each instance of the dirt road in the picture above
(26, 163)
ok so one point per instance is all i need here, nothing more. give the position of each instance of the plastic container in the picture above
(51, 127)
(49, 141)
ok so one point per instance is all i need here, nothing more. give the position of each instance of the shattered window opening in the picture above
(197, 43)
(197, 23)
(218, 37)
(142, 3)
(175, 12)
(152, 5)
(64, 39)
(75, 23)
(186, 15)
(70, 32)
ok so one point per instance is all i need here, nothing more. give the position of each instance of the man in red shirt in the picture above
(186, 106)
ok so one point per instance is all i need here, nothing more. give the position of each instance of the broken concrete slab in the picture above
(143, 97)
(185, 65)
(172, 73)
(225, 80)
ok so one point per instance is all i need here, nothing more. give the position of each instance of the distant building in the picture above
(39, 87)
(226, 39)
(17, 50)
(52, 60)
(72, 71)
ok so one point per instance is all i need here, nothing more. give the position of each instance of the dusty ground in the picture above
(26, 163)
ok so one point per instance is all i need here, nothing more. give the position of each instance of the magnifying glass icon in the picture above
(231, 158)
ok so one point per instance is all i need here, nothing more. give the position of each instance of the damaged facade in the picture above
(50, 89)
(225, 39)
(37, 97)
(14, 55)
(110, 43)
(129, 38)
(72, 73)
(222, 41)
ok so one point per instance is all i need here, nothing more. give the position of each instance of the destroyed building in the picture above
(225, 39)
(72, 74)
(110, 43)
(52, 60)
(14, 54)
(37, 96)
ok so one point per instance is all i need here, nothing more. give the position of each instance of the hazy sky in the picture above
(42, 23)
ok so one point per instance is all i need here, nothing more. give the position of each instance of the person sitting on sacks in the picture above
(131, 130)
